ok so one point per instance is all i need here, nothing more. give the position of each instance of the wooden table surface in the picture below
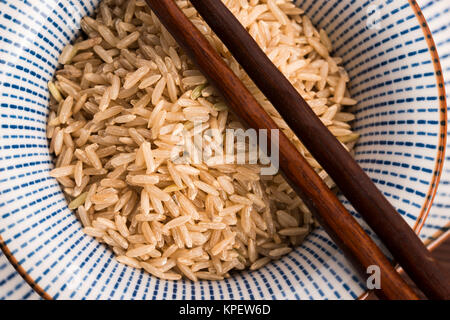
(442, 253)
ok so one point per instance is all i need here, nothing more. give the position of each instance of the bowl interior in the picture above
(399, 117)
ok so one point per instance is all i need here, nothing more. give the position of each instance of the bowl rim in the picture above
(437, 238)
(442, 145)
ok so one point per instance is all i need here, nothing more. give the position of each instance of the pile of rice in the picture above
(125, 98)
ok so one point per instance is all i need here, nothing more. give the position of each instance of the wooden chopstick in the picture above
(355, 184)
(337, 221)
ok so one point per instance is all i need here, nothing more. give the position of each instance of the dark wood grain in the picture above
(355, 184)
(337, 221)
(441, 253)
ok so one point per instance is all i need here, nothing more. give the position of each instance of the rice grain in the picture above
(124, 110)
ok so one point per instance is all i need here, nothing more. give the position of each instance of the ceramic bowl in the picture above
(401, 115)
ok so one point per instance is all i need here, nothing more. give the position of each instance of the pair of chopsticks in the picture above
(358, 247)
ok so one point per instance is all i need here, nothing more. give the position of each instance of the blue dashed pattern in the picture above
(398, 118)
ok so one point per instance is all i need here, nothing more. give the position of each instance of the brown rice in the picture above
(127, 96)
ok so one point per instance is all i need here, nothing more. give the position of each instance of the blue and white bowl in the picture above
(395, 74)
